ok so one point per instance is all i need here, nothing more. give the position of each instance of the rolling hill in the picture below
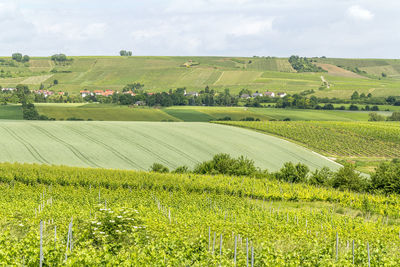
(194, 73)
(137, 145)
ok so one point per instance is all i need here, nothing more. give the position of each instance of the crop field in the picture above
(137, 145)
(10, 112)
(86, 217)
(108, 112)
(164, 73)
(337, 138)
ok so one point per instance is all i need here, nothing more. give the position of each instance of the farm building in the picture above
(270, 94)
(282, 94)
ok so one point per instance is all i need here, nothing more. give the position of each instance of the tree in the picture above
(26, 58)
(391, 100)
(355, 96)
(348, 179)
(17, 57)
(384, 75)
(124, 53)
(55, 82)
(59, 58)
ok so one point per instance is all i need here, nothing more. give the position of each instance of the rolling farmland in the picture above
(164, 73)
(108, 112)
(123, 145)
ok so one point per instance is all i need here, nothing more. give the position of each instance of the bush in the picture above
(373, 116)
(395, 117)
(181, 169)
(353, 107)
(386, 178)
(225, 164)
(347, 178)
(293, 173)
(158, 167)
(321, 177)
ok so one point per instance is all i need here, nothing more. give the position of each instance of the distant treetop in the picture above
(19, 58)
(125, 53)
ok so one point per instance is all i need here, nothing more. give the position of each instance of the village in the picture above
(107, 93)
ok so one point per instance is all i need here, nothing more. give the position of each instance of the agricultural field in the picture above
(137, 145)
(367, 142)
(164, 73)
(10, 112)
(85, 217)
(108, 112)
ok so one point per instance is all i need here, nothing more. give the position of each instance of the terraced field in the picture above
(140, 144)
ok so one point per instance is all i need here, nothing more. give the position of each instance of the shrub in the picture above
(293, 173)
(181, 169)
(347, 178)
(321, 177)
(225, 164)
(395, 117)
(386, 177)
(158, 167)
(373, 116)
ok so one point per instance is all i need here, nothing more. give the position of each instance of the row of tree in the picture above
(385, 179)
(20, 58)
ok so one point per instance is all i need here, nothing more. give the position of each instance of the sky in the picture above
(332, 28)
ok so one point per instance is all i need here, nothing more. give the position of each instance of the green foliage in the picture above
(394, 117)
(347, 178)
(373, 116)
(181, 169)
(158, 167)
(125, 53)
(386, 178)
(293, 173)
(225, 164)
(321, 177)
(303, 64)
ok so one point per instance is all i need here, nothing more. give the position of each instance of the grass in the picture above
(364, 143)
(164, 73)
(10, 112)
(123, 145)
(109, 112)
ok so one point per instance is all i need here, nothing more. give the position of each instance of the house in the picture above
(269, 94)
(245, 96)
(282, 94)
(192, 94)
(7, 89)
(45, 93)
(98, 92)
(108, 92)
(85, 93)
(61, 93)
(129, 93)
(256, 94)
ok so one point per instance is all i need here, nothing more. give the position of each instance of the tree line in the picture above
(383, 180)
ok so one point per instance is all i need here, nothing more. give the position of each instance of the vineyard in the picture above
(72, 216)
(356, 139)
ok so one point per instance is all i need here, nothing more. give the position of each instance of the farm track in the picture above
(32, 150)
(75, 151)
(107, 147)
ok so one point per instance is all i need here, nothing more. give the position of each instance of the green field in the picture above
(137, 145)
(367, 142)
(125, 218)
(164, 73)
(10, 112)
(108, 112)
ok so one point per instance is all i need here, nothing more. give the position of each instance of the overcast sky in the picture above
(334, 28)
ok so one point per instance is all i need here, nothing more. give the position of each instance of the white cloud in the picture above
(359, 13)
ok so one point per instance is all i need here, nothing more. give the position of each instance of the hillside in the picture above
(194, 73)
(137, 145)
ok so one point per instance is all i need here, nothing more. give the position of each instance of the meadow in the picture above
(363, 141)
(10, 112)
(74, 216)
(164, 73)
(108, 112)
(137, 145)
